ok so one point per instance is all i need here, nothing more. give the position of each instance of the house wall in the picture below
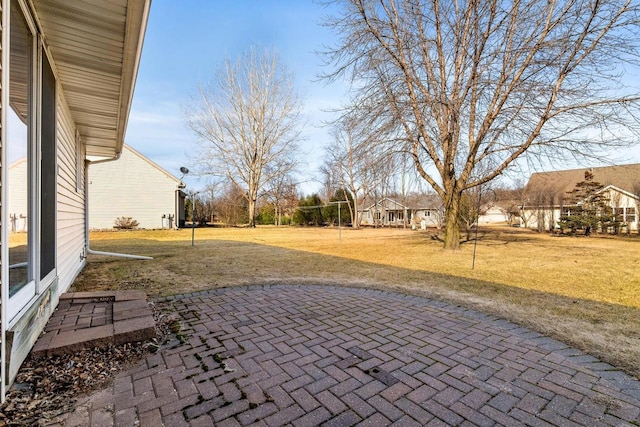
(70, 204)
(540, 218)
(18, 196)
(546, 218)
(621, 200)
(130, 187)
(428, 218)
(386, 213)
(493, 215)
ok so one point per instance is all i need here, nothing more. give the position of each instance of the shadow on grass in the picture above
(501, 236)
(180, 268)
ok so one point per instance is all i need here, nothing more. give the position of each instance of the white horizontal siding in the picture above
(70, 219)
(131, 187)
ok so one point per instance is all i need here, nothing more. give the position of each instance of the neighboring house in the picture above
(18, 201)
(68, 73)
(492, 214)
(135, 187)
(426, 211)
(500, 212)
(385, 213)
(547, 194)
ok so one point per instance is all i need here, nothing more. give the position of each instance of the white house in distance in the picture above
(135, 187)
(18, 201)
(547, 194)
(492, 214)
(385, 212)
(68, 70)
(426, 211)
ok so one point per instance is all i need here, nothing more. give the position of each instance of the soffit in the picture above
(96, 47)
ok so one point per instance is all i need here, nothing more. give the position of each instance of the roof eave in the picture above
(134, 39)
(96, 49)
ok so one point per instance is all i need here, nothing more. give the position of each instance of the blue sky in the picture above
(186, 41)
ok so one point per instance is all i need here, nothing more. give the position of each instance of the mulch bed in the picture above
(47, 388)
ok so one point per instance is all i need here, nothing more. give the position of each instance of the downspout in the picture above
(86, 212)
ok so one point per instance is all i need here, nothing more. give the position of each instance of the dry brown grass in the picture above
(585, 291)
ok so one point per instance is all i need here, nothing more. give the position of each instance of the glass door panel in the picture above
(19, 185)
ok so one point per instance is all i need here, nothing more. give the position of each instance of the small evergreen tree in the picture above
(309, 211)
(330, 212)
(589, 208)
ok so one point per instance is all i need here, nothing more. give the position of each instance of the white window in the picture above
(630, 215)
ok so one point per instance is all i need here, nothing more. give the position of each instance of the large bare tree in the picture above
(470, 86)
(249, 119)
(352, 166)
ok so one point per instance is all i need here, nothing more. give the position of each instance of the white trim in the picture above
(153, 164)
(620, 190)
(28, 292)
(4, 232)
(20, 302)
(35, 211)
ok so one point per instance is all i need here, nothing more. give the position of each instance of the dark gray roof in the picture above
(558, 183)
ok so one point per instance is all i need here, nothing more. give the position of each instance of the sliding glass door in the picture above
(20, 152)
(31, 153)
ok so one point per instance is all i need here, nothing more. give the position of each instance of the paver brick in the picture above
(257, 413)
(312, 418)
(376, 419)
(229, 410)
(345, 387)
(414, 411)
(359, 406)
(305, 400)
(345, 419)
(331, 402)
(299, 357)
(448, 396)
(386, 408)
(203, 407)
(296, 383)
(151, 418)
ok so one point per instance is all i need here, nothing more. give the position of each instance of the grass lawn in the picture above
(584, 291)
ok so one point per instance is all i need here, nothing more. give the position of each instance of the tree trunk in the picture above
(252, 212)
(452, 227)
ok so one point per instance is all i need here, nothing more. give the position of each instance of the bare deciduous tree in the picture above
(281, 192)
(471, 86)
(249, 119)
(351, 165)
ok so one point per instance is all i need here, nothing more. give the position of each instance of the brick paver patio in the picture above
(316, 355)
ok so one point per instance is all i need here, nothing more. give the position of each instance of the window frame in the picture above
(21, 300)
(24, 298)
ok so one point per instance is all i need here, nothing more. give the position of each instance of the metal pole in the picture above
(193, 221)
(475, 242)
(339, 225)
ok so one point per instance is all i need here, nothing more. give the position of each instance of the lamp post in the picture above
(184, 172)
(182, 210)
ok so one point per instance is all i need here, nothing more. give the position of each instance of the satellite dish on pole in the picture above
(184, 170)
